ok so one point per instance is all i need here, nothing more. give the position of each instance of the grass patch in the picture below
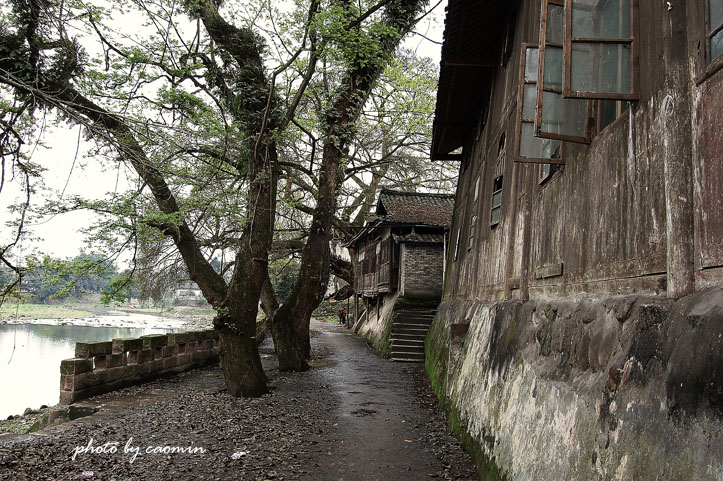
(176, 311)
(42, 311)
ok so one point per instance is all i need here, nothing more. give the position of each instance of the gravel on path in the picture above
(352, 416)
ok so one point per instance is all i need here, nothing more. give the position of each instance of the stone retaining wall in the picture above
(623, 388)
(104, 366)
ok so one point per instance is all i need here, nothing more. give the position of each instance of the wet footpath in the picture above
(352, 416)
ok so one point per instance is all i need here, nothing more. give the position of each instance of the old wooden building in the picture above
(398, 262)
(582, 315)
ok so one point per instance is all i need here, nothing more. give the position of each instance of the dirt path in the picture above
(353, 416)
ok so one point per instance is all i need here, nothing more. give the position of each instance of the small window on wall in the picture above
(509, 39)
(473, 218)
(600, 49)
(472, 227)
(529, 148)
(557, 117)
(456, 244)
(496, 212)
(715, 29)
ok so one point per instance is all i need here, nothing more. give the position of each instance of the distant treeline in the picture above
(51, 278)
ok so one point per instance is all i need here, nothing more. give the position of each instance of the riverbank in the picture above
(97, 315)
(353, 416)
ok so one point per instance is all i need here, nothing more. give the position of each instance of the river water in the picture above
(30, 356)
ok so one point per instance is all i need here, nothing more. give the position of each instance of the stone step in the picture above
(414, 315)
(410, 337)
(414, 332)
(410, 325)
(421, 322)
(417, 313)
(395, 341)
(406, 349)
(408, 357)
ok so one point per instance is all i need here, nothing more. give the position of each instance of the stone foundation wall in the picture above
(378, 329)
(104, 366)
(623, 388)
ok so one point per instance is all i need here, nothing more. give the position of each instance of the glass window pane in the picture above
(545, 171)
(563, 116)
(716, 13)
(497, 199)
(716, 45)
(532, 147)
(496, 215)
(529, 102)
(555, 24)
(531, 58)
(603, 68)
(601, 19)
(552, 75)
(608, 112)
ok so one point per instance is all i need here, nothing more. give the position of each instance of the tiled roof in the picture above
(416, 208)
(419, 238)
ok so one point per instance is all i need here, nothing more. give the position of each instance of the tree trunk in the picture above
(291, 321)
(236, 351)
(293, 346)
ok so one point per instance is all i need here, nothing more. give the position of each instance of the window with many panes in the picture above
(580, 77)
(600, 49)
(557, 117)
(529, 148)
(714, 29)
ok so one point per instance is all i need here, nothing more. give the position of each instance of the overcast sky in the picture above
(71, 172)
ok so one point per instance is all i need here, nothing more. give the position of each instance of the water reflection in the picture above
(30, 356)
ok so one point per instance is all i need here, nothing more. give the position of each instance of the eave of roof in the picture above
(470, 55)
(416, 208)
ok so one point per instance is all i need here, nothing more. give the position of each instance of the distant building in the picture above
(188, 294)
(398, 260)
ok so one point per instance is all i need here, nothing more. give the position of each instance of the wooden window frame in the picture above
(518, 125)
(544, 177)
(473, 218)
(709, 65)
(710, 32)
(494, 207)
(472, 228)
(634, 63)
(541, 81)
(621, 108)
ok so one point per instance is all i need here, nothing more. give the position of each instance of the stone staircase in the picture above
(408, 333)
